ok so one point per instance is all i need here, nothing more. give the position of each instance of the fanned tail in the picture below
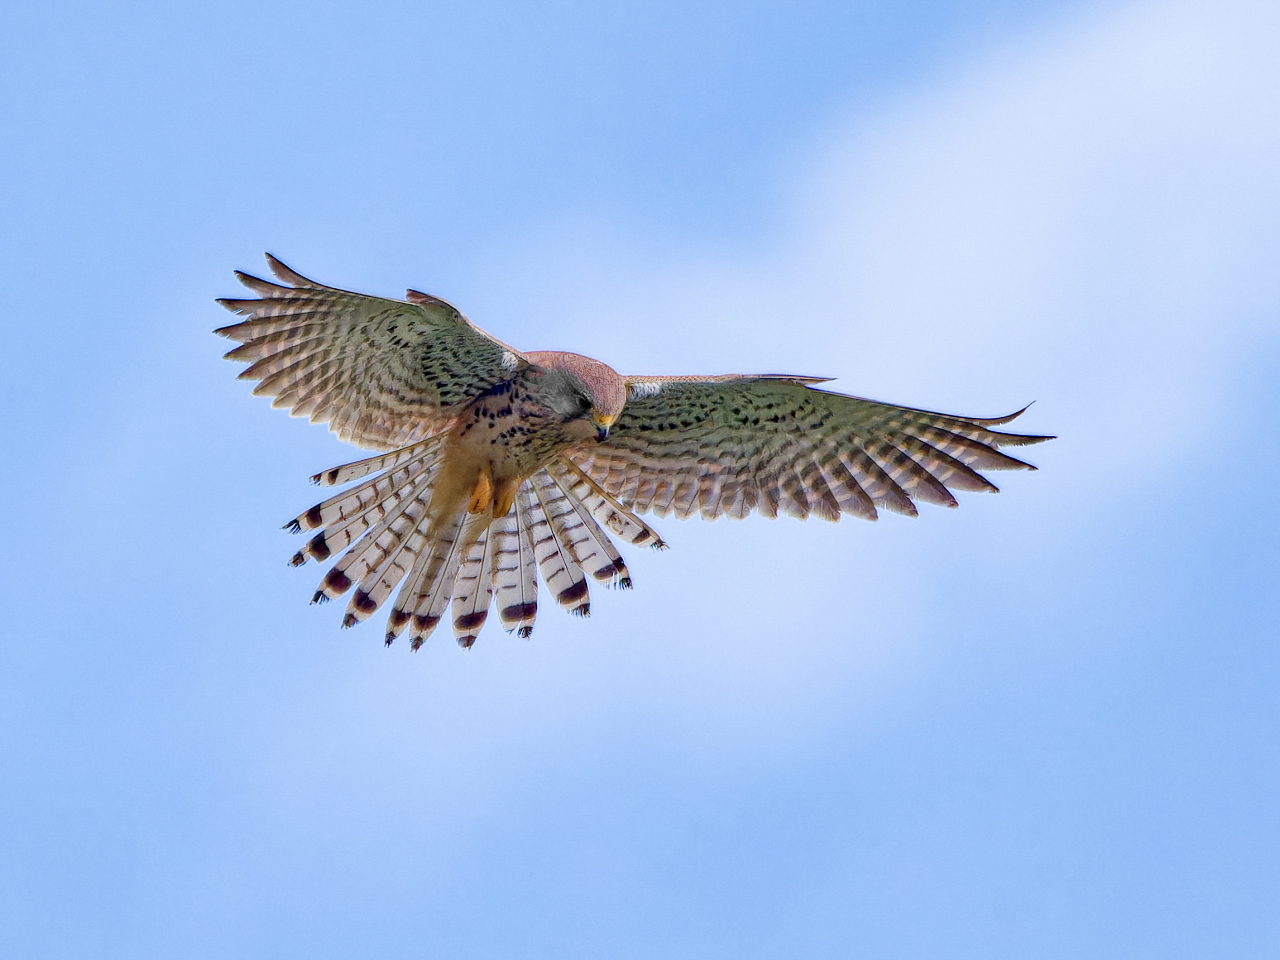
(407, 527)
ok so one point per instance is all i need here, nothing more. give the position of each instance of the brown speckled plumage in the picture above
(500, 465)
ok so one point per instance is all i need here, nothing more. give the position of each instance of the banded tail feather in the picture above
(603, 505)
(352, 503)
(578, 532)
(563, 576)
(429, 586)
(427, 450)
(515, 571)
(344, 519)
(388, 557)
(473, 588)
(392, 538)
(400, 516)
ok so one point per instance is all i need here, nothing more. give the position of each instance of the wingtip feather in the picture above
(286, 274)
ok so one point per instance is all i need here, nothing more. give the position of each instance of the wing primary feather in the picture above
(948, 470)
(881, 487)
(263, 288)
(291, 276)
(383, 373)
(914, 479)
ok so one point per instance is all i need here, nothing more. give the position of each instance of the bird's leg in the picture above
(482, 492)
(504, 495)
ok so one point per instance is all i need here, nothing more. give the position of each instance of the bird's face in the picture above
(572, 401)
(586, 393)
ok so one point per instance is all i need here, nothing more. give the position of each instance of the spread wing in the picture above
(733, 445)
(381, 373)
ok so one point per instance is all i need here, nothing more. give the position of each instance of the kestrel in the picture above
(496, 464)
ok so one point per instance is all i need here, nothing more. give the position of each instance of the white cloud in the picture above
(1087, 219)
(1082, 219)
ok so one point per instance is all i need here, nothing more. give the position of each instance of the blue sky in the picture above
(1044, 724)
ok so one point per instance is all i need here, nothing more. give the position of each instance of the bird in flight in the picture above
(495, 465)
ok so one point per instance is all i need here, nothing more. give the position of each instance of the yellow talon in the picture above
(504, 496)
(482, 493)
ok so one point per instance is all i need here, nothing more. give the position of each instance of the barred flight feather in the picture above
(915, 481)
(588, 544)
(562, 575)
(844, 486)
(515, 572)
(397, 376)
(473, 589)
(949, 471)
(418, 604)
(967, 450)
(385, 536)
(382, 373)
(882, 488)
(603, 505)
(771, 445)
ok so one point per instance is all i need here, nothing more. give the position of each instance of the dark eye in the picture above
(584, 405)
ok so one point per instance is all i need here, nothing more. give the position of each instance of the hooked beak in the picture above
(602, 426)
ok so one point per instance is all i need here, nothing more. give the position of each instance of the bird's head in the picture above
(581, 389)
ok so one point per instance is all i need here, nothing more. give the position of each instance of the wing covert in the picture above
(733, 445)
(382, 373)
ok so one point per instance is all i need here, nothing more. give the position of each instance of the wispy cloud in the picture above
(1088, 218)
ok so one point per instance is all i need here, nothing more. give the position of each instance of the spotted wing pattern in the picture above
(382, 373)
(728, 446)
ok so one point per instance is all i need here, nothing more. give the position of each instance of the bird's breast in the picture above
(510, 432)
